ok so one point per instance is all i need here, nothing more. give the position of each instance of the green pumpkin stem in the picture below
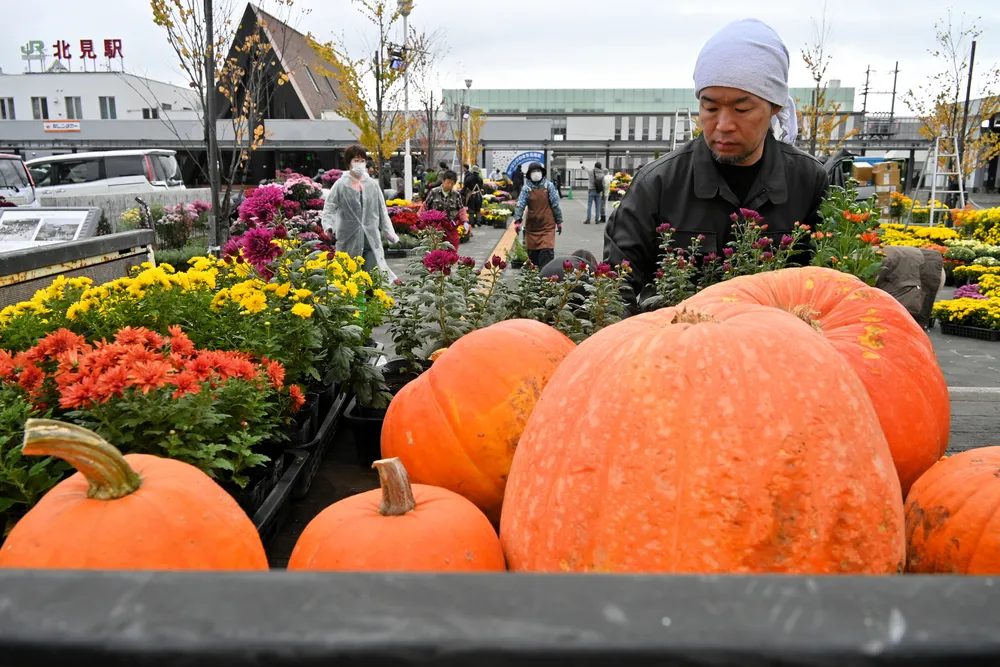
(397, 494)
(108, 472)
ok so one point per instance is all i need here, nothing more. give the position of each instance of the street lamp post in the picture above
(404, 7)
(468, 110)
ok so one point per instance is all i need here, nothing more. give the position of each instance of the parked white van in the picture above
(106, 173)
(15, 181)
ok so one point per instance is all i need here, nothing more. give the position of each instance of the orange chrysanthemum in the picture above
(147, 375)
(275, 373)
(298, 398)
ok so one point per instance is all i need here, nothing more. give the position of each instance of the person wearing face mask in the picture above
(538, 205)
(355, 211)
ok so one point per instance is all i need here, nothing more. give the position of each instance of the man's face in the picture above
(735, 124)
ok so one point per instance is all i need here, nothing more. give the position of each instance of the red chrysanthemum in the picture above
(6, 365)
(79, 395)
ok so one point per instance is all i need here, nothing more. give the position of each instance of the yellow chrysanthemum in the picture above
(384, 298)
(254, 302)
(303, 310)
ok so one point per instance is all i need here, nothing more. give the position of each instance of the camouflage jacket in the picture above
(449, 203)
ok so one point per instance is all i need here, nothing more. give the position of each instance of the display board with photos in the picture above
(22, 228)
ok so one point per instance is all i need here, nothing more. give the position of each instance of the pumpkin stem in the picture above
(686, 316)
(806, 313)
(397, 494)
(108, 472)
(437, 354)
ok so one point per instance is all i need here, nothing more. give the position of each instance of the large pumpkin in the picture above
(458, 424)
(952, 518)
(134, 512)
(399, 528)
(877, 337)
(671, 442)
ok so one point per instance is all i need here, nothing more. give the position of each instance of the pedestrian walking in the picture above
(355, 211)
(538, 206)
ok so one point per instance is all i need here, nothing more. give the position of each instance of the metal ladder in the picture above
(682, 115)
(933, 169)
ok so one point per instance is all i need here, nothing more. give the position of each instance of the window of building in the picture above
(150, 114)
(166, 107)
(645, 127)
(631, 128)
(329, 84)
(74, 110)
(108, 109)
(7, 108)
(618, 128)
(659, 128)
(40, 108)
(312, 78)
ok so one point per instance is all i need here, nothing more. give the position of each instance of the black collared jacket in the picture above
(684, 188)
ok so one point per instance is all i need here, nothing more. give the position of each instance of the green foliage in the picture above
(23, 480)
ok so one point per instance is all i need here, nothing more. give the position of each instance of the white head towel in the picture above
(749, 55)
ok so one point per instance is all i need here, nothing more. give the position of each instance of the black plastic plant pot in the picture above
(366, 426)
(396, 253)
(303, 426)
(516, 263)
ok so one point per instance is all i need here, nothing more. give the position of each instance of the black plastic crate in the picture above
(303, 428)
(978, 333)
(271, 514)
(318, 446)
(263, 479)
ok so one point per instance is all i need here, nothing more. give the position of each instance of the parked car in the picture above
(16, 184)
(111, 172)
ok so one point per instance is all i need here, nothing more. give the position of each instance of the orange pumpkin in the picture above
(877, 337)
(400, 528)
(951, 516)
(134, 512)
(458, 424)
(674, 443)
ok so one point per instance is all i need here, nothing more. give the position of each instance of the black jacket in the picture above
(686, 189)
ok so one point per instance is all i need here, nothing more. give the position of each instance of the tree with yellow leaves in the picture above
(940, 103)
(820, 120)
(371, 84)
(248, 74)
(471, 137)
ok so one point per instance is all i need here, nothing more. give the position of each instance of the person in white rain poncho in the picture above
(355, 211)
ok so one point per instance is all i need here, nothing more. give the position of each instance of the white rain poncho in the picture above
(354, 222)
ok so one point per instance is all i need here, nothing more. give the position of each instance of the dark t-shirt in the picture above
(740, 179)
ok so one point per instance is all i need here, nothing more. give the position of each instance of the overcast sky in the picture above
(564, 43)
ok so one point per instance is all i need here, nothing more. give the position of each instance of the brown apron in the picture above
(540, 223)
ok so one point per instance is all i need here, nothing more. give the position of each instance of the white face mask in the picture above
(358, 168)
(536, 176)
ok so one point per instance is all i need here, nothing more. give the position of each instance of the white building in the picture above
(60, 95)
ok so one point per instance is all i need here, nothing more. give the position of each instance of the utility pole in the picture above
(405, 6)
(461, 137)
(965, 114)
(895, 78)
(864, 93)
(214, 235)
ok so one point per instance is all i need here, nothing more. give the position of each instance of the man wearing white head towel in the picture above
(744, 158)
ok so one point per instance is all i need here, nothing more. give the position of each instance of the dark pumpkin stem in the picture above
(397, 494)
(108, 472)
